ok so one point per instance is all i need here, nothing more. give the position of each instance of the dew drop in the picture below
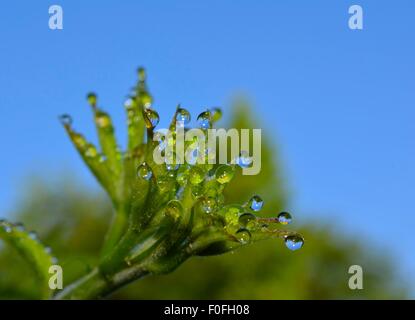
(284, 218)
(141, 72)
(246, 218)
(256, 203)
(208, 205)
(66, 120)
(48, 250)
(183, 115)
(33, 235)
(224, 174)
(144, 171)
(216, 114)
(103, 120)
(174, 209)
(205, 120)
(197, 191)
(152, 118)
(196, 175)
(91, 151)
(243, 236)
(294, 242)
(244, 160)
(92, 99)
(19, 226)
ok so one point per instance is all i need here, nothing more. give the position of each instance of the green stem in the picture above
(96, 285)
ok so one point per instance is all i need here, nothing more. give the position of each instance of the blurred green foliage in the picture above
(73, 220)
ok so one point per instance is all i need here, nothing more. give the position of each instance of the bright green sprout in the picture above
(163, 213)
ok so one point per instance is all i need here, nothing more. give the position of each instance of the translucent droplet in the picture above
(174, 209)
(91, 151)
(48, 250)
(152, 118)
(103, 120)
(196, 175)
(33, 235)
(256, 203)
(244, 160)
(243, 236)
(205, 120)
(141, 72)
(79, 141)
(129, 103)
(208, 205)
(144, 171)
(216, 114)
(66, 120)
(284, 218)
(224, 173)
(172, 161)
(197, 191)
(294, 242)
(183, 115)
(92, 99)
(19, 226)
(245, 219)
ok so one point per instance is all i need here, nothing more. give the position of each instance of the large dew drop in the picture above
(182, 115)
(294, 242)
(256, 203)
(66, 120)
(152, 118)
(205, 120)
(284, 218)
(208, 205)
(244, 160)
(246, 219)
(243, 236)
(196, 175)
(92, 99)
(224, 174)
(144, 171)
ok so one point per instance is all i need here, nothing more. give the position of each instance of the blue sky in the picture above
(339, 102)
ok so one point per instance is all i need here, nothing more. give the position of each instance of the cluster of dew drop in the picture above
(206, 181)
(19, 232)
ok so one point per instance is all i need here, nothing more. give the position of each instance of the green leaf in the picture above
(35, 253)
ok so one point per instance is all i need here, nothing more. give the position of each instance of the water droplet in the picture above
(256, 203)
(19, 226)
(197, 191)
(284, 218)
(7, 228)
(243, 236)
(144, 171)
(66, 120)
(152, 118)
(224, 173)
(231, 213)
(141, 72)
(33, 235)
(294, 242)
(183, 115)
(92, 99)
(91, 151)
(208, 205)
(244, 160)
(129, 103)
(205, 120)
(172, 161)
(79, 141)
(245, 219)
(216, 114)
(196, 175)
(48, 250)
(174, 209)
(103, 120)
